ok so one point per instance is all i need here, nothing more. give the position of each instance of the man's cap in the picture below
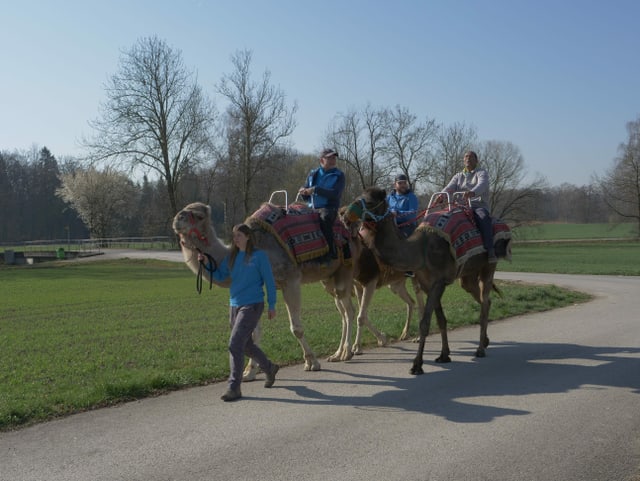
(402, 177)
(328, 153)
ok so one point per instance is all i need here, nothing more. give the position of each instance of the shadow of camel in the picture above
(451, 391)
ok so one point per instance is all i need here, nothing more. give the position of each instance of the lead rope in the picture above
(211, 267)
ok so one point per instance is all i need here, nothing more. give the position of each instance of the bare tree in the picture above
(409, 144)
(451, 144)
(102, 199)
(510, 192)
(156, 117)
(621, 184)
(258, 123)
(359, 137)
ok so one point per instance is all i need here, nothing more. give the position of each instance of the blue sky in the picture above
(559, 79)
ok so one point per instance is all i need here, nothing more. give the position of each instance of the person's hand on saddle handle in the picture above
(468, 195)
(440, 199)
(306, 190)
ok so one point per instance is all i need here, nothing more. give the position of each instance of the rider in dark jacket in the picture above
(323, 192)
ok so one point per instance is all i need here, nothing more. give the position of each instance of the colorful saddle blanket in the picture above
(458, 227)
(298, 229)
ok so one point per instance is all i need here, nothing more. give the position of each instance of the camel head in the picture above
(369, 207)
(197, 236)
(193, 225)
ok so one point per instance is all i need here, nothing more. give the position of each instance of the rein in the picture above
(211, 267)
(417, 219)
(209, 264)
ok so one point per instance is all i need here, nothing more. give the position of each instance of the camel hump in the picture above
(298, 231)
(458, 227)
(296, 228)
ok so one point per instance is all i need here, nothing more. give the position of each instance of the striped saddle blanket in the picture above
(298, 230)
(458, 227)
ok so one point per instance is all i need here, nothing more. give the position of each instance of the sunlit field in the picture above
(77, 336)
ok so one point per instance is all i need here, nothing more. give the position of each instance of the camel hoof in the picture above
(404, 336)
(341, 356)
(312, 365)
(480, 353)
(443, 359)
(383, 341)
(250, 374)
(416, 370)
(357, 351)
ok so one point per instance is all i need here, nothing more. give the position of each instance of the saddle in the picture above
(458, 227)
(297, 228)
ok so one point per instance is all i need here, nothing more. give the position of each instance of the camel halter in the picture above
(366, 213)
(211, 264)
(194, 230)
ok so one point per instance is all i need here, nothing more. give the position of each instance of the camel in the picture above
(370, 275)
(196, 232)
(429, 255)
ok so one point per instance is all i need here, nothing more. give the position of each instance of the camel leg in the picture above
(252, 368)
(419, 293)
(486, 284)
(399, 288)
(342, 299)
(343, 347)
(484, 323)
(480, 289)
(433, 303)
(357, 344)
(417, 290)
(365, 294)
(442, 327)
(292, 298)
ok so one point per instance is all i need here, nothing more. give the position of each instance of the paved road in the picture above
(557, 398)
(172, 256)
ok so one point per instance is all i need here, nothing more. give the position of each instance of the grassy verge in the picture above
(77, 336)
(602, 258)
(556, 231)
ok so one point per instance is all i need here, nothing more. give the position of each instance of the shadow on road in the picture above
(513, 369)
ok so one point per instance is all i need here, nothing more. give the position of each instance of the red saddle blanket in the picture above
(458, 227)
(298, 229)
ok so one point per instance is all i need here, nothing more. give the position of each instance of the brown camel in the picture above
(193, 225)
(429, 255)
(370, 275)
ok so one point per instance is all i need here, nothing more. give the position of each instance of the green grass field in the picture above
(85, 335)
(563, 231)
(603, 258)
(77, 336)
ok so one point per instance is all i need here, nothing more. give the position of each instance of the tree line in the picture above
(159, 142)
(34, 186)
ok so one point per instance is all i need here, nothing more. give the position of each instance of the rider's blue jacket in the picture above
(405, 208)
(328, 187)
